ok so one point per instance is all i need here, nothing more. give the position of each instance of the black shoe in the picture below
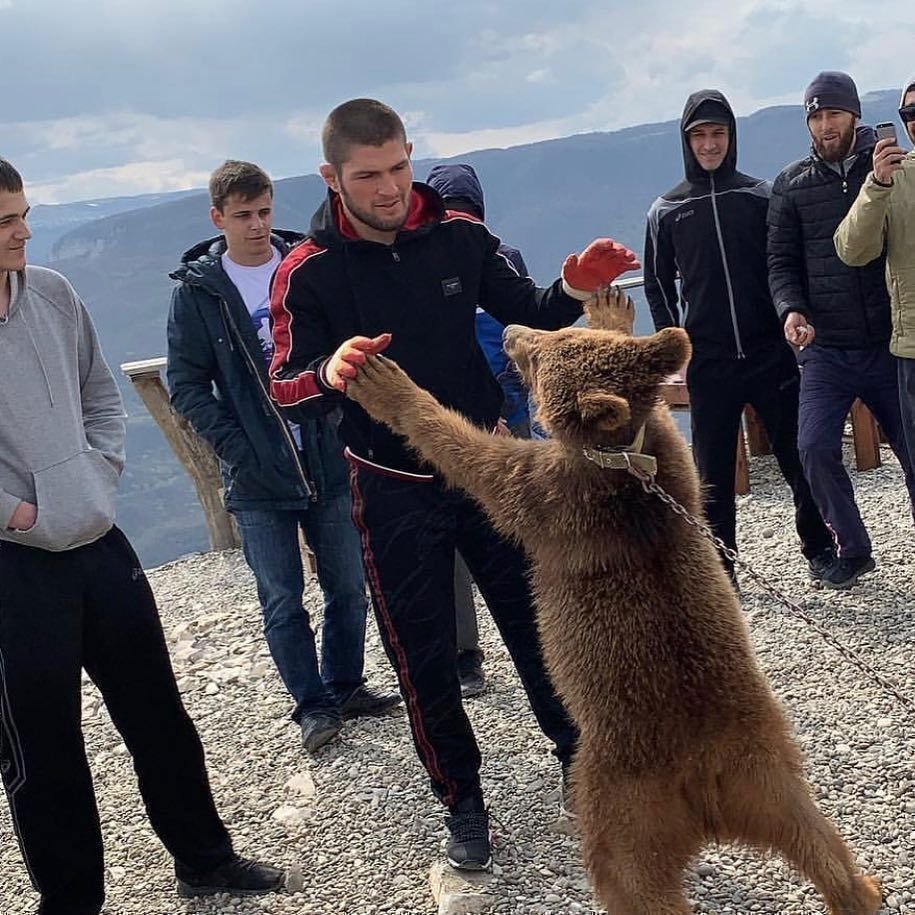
(468, 847)
(566, 797)
(820, 564)
(470, 672)
(237, 877)
(319, 728)
(843, 573)
(366, 702)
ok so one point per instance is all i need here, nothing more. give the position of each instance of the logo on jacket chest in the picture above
(685, 214)
(452, 286)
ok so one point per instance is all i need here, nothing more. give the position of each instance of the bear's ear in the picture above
(601, 410)
(667, 351)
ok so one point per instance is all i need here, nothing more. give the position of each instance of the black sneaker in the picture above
(820, 564)
(470, 672)
(319, 728)
(843, 573)
(237, 877)
(468, 847)
(366, 702)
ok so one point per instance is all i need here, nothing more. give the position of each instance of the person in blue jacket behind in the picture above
(461, 190)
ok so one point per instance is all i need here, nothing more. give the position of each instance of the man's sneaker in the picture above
(845, 572)
(566, 797)
(318, 729)
(470, 672)
(468, 847)
(237, 877)
(366, 702)
(820, 564)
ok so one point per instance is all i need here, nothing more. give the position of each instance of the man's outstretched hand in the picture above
(352, 353)
(599, 264)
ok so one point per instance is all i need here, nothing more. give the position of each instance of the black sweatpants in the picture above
(409, 532)
(719, 389)
(91, 608)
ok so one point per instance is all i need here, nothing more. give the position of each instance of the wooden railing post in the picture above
(195, 455)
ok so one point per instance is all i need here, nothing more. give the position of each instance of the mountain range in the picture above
(547, 198)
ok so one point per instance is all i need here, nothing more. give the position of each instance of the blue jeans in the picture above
(271, 547)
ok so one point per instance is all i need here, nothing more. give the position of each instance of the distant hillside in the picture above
(49, 222)
(546, 198)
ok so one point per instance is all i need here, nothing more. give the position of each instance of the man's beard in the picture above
(838, 148)
(372, 220)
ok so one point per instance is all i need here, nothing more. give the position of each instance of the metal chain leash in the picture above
(650, 486)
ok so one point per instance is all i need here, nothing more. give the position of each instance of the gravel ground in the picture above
(360, 822)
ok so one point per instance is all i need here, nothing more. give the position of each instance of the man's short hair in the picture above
(245, 179)
(359, 122)
(10, 179)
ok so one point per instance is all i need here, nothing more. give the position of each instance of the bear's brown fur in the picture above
(682, 742)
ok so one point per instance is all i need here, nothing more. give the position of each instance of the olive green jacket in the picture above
(886, 216)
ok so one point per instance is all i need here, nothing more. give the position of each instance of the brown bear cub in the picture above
(682, 742)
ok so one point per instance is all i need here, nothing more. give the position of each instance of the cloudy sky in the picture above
(111, 97)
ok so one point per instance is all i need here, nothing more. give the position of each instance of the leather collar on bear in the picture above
(624, 457)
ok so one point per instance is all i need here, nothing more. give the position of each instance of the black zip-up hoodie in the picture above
(711, 228)
(423, 289)
(211, 341)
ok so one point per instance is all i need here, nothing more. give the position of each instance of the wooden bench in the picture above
(752, 434)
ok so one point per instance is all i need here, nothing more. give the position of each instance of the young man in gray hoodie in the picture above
(73, 596)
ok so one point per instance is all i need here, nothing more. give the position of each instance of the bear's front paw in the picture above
(611, 309)
(381, 388)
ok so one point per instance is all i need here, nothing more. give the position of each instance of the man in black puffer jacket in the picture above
(838, 315)
(712, 229)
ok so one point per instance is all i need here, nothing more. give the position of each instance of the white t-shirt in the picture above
(253, 285)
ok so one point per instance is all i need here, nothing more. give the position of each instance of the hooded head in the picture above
(459, 187)
(705, 111)
(907, 110)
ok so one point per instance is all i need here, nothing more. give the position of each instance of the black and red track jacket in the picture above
(423, 289)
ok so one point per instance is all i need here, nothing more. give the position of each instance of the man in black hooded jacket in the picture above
(712, 228)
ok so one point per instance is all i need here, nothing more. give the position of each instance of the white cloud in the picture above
(123, 180)
(463, 77)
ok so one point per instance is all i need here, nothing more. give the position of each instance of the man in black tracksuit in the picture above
(385, 260)
(712, 229)
(838, 315)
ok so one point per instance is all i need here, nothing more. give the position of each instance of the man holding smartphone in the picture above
(884, 215)
(838, 315)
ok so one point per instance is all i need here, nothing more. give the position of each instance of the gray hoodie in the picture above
(62, 422)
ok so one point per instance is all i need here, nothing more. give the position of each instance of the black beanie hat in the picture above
(832, 89)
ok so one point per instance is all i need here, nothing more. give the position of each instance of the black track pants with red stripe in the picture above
(409, 533)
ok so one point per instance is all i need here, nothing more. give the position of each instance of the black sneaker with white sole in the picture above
(468, 847)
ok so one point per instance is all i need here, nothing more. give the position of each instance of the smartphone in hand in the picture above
(886, 131)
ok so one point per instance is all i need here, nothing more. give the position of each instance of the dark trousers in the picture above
(409, 534)
(719, 389)
(831, 379)
(91, 608)
(906, 377)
